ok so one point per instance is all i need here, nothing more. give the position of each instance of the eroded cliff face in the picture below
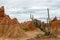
(9, 27)
(12, 28)
(55, 25)
(5, 19)
(2, 11)
(54, 19)
(30, 25)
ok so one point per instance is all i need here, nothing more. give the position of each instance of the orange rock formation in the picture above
(12, 28)
(9, 27)
(30, 25)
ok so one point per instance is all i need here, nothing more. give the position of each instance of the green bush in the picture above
(26, 29)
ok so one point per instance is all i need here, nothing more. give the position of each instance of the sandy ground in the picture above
(30, 34)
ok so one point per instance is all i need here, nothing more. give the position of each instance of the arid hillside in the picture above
(11, 28)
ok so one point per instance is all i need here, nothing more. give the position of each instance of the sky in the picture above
(21, 9)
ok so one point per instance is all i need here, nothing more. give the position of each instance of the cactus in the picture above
(36, 23)
(43, 25)
(48, 20)
(31, 17)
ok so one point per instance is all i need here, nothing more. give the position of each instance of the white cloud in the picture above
(17, 5)
(32, 4)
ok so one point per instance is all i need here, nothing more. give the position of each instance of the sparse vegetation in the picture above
(11, 28)
(36, 23)
(38, 36)
(25, 28)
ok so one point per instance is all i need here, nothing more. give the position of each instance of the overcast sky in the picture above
(31, 3)
(18, 5)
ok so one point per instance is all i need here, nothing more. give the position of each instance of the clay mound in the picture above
(14, 32)
(55, 26)
(2, 11)
(6, 20)
(30, 25)
(55, 19)
(9, 28)
(14, 21)
(4, 24)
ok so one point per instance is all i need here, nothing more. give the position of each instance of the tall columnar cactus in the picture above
(48, 20)
(34, 21)
(31, 17)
